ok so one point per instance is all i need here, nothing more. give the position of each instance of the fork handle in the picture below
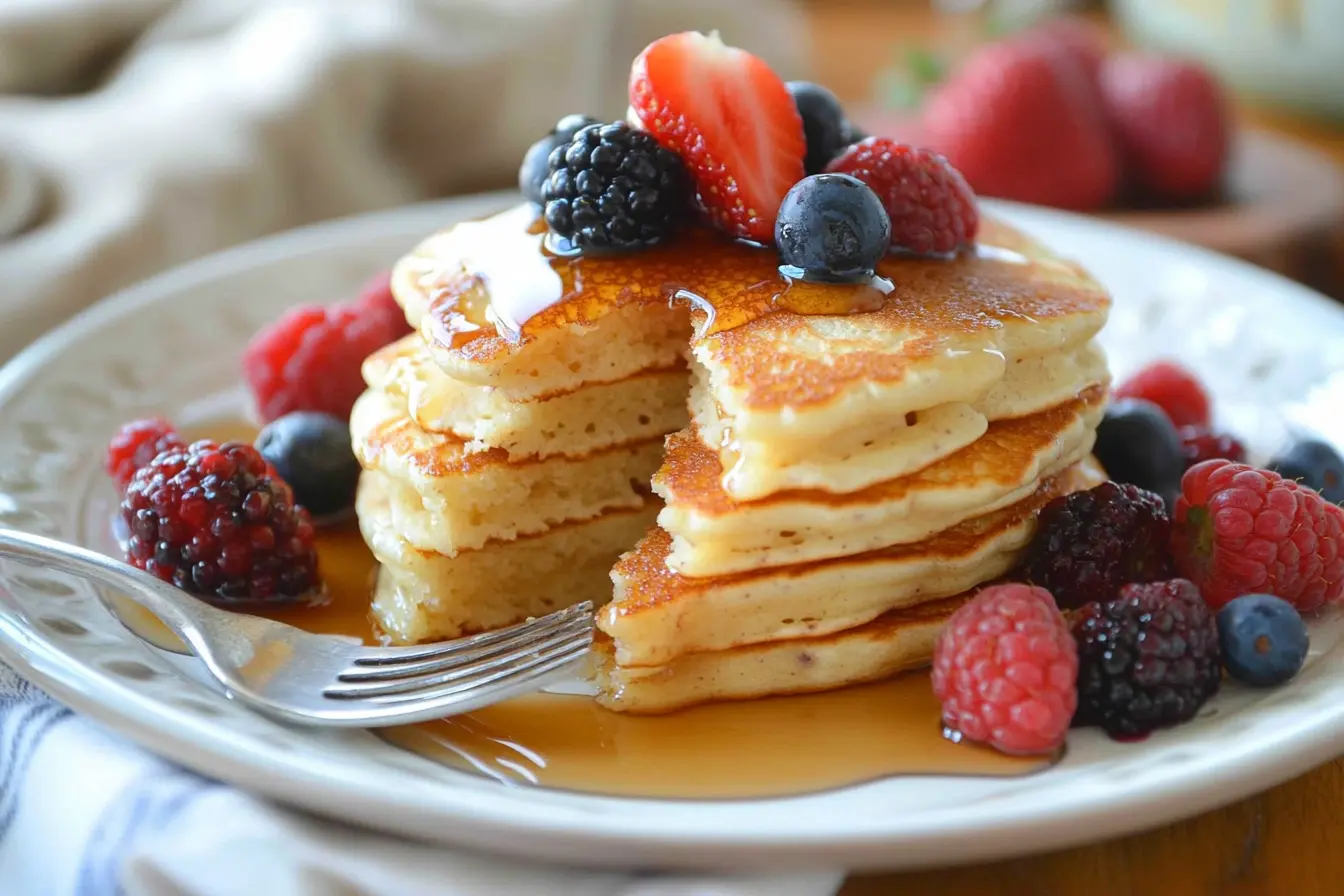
(160, 598)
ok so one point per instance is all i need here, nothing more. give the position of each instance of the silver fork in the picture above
(325, 680)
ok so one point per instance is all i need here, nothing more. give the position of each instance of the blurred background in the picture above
(138, 134)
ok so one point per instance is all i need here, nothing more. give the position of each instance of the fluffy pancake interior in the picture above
(658, 615)
(425, 596)
(900, 440)
(446, 500)
(890, 644)
(645, 405)
(712, 534)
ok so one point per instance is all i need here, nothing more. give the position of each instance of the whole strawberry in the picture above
(1077, 37)
(932, 208)
(1170, 119)
(1240, 530)
(1019, 120)
(732, 121)
(1005, 668)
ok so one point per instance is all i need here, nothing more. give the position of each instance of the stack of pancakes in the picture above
(505, 474)
(832, 488)
(848, 478)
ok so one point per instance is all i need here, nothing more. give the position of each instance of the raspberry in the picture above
(214, 521)
(1200, 444)
(309, 360)
(1239, 530)
(1173, 388)
(136, 444)
(376, 299)
(1090, 544)
(1146, 660)
(931, 206)
(1004, 669)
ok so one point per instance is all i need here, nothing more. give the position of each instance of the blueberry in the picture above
(825, 126)
(1137, 444)
(1314, 464)
(533, 172)
(1262, 638)
(833, 227)
(311, 452)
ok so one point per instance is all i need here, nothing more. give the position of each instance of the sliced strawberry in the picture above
(732, 121)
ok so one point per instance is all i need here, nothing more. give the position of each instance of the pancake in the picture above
(495, 309)
(948, 330)
(875, 451)
(893, 643)
(424, 596)
(445, 499)
(643, 406)
(657, 615)
(712, 534)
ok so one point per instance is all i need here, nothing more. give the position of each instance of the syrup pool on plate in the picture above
(773, 747)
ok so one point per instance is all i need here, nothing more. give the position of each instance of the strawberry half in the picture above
(732, 121)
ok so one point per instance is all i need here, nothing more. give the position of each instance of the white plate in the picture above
(172, 345)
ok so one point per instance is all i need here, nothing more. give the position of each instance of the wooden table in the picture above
(1288, 840)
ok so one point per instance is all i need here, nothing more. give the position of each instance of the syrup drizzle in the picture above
(499, 277)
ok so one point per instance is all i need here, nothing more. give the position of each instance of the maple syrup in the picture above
(773, 747)
(497, 277)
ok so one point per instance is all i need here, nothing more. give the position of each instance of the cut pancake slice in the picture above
(949, 331)
(446, 500)
(657, 615)
(645, 405)
(897, 442)
(495, 309)
(1038, 382)
(890, 644)
(424, 596)
(714, 535)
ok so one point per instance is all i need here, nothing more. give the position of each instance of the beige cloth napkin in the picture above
(218, 121)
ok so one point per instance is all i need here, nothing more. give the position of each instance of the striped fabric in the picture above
(85, 814)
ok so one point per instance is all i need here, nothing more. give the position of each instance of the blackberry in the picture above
(215, 521)
(1148, 659)
(615, 187)
(1090, 544)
